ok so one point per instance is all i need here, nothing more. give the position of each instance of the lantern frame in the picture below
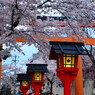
(24, 82)
(33, 70)
(61, 61)
(67, 69)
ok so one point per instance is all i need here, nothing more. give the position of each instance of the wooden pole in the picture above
(0, 71)
(79, 79)
(1, 46)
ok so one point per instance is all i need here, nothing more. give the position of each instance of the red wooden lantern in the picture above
(36, 72)
(66, 55)
(24, 82)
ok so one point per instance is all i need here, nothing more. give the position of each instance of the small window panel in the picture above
(24, 83)
(68, 61)
(38, 75)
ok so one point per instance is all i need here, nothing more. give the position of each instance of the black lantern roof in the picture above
(68, 48)
(23, 77)
(37, 67)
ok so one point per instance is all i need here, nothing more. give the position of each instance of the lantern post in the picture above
(36, 72)
(66, 56)
(24, 82)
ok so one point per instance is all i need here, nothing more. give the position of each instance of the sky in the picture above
(28, 50)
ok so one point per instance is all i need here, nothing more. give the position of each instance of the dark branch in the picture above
(91, 50)
(16, 22)
(16, 6)
(43, 3)
(12, 19)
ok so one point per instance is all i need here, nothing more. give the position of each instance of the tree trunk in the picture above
(51, 88)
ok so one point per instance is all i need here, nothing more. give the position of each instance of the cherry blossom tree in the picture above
(88, 75)
(18, 18)
(88, 68)
(9, 72)
(14, 13)
(77, 15)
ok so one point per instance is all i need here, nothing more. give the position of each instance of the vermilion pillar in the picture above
(67, 76)
(37, 82)
(37, 86)
(24, 89)
(0, 71)
(1, 46)
(79, 79)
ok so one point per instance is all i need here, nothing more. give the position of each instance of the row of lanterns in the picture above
(66, 55)
(34, 76)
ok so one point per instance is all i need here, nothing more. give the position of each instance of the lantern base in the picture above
(37, 86)
(67, 75)
(24, 89)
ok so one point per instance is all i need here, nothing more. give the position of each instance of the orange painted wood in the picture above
(92, 24)
(1, 46)
(79, 79)
(0, 71)
(59, 22)
(19, 39)
(87, 41)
